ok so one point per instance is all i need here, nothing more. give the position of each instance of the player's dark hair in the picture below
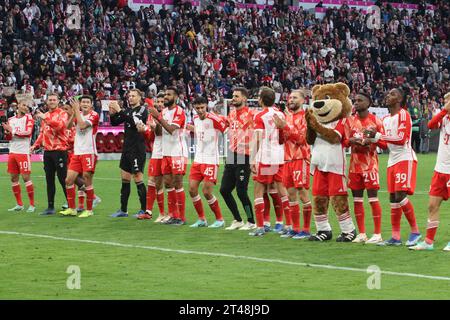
(86, 96)
(404, 95)
(242, 90)
(200, 100)
(267, 96)
(160, 95)
(174, 89)
(366, 94)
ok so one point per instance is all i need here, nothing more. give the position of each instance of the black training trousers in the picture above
(237, 176)
(55, 162)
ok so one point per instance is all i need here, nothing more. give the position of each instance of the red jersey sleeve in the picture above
(258, 123)
(403, 129)
(219, 123)
(38, 142)
(343, 129)
(436, 121)
(93, 119)
(381, 144)
(179, 118)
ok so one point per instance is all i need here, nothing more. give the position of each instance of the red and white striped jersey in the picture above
(398, 130)
(207, 134)
(20, 137)
(271, 151)
(85, 139)
(174, 145)
(442, 121)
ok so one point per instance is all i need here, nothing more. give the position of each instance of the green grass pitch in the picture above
(33, 267)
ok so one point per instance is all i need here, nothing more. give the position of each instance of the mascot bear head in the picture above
(330, 102)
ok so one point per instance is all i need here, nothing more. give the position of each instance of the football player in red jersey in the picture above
(363, 172)
(296, 167)
(237, 171)
(54, 141)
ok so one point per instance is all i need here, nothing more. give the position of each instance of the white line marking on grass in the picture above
(224, 255)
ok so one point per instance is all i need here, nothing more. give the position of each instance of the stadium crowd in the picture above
(208, 52)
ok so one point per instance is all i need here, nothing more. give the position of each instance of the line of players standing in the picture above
(270, 144)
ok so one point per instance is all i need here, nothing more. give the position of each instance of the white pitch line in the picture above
(223, 255)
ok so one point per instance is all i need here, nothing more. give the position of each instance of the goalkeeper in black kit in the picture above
(132, 161)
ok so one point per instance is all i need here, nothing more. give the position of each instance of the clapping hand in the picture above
(75, 104)
(154, 112)
(355, 140)
(141, 127)
(369, 133)
(280, 123)
(7, 127)
(40, 115)
(113, 107)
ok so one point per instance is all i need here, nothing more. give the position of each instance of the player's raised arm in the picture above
(436, 121)
(81, 123)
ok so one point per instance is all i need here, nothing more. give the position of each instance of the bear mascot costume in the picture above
(327, 132)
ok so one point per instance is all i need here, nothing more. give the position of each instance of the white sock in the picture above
(322, 223)
(346, 223)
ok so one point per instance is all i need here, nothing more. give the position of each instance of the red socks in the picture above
(71, 196)
(408, 210)
(358, 206)
(259, 212)
(286, 210)
(160, 200)
(197, 201)
(172, 203)
(431, 231)
(17, 193)
(81, 197)
(295, 215)
(89, 197)
(277, 204)
(181, 202)
(376, 213)
(214, 205)
(30, 190)
(359, 214)
(307, 210)
(151, 195)
(266, 208)
(396, 216)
